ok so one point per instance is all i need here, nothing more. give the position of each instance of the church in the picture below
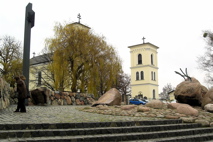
(144, 70)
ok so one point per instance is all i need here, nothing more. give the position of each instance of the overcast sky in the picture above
(175, 26)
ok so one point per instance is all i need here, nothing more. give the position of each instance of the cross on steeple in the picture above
(143, 39)
(79, 18)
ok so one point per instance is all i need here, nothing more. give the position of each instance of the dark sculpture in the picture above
(184, 75)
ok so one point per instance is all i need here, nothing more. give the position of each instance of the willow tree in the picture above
(84, 58)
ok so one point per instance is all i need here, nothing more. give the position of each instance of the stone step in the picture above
(92, 131)
(200, 134)
(85, 124)
(190, 138)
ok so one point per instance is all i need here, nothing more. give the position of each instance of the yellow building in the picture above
(144, 70)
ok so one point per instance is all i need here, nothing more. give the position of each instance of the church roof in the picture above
(41, 59)
(78, 23)
(144, 44)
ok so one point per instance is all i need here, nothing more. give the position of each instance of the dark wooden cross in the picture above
(29, 23)
(143, 39)
(79, 18)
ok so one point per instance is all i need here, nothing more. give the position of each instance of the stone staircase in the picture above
(149, 131)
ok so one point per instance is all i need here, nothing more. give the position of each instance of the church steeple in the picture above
(144, 70)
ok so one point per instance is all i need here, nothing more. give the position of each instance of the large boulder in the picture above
(5, 94)
(187, 109)
(207, 98)
(111, 97)
(38, 97)
(190, 92)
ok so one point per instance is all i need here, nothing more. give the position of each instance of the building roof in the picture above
(171, 92)
(144, 44)
(77, 23)
(41, 59)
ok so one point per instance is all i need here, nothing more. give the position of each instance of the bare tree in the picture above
(205, 62)
(10, 58)
(166, 89)
(123, 84)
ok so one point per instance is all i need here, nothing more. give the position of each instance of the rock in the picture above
(211, 124)
(155, 104)
(143, 109)
(173, 105)
(137, 115)
(111, 97)
(51, 98)
(38, 97)
(128, 107)
(73, 99)
(171, 117)
(54, 102)
(81, 98)
(57, 96)
(187, 109)
(188, 119)
(207, 98)
(68, 99)
(60, 102)
(82, 103)
(64, 102)
(48, 93)
(190, 92)
(160, 116)
(90, 100)
(204, 123)
(151, 115)
(78, 102)
(77, 96)
(102, 107)
(209, 107)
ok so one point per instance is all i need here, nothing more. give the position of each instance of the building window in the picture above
(142, 75)
(139, 59)
(152, 59)
(39, 78)
(153, 92)
(152, 75)
(137, 75)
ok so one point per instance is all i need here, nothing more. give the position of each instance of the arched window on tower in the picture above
(152, 59)
(142, 75)
(153, 93)
(139, 59)
(137, 75)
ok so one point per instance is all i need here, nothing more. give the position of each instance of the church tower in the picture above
(144, 70)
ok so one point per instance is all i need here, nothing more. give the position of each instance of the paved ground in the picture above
(57, 114)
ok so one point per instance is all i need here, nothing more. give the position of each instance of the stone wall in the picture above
(44, 96)
(5, 91)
